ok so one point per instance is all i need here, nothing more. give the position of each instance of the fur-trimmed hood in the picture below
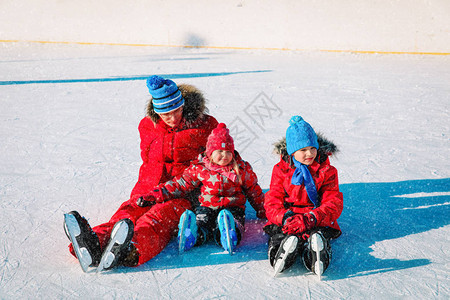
(194, 105)
(326, 148)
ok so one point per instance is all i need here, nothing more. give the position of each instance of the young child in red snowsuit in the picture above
(304, 201)
(225, 182)
(173, 133)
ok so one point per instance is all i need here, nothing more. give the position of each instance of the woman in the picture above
(173, 133)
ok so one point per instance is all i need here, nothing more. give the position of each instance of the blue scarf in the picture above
(303, 176)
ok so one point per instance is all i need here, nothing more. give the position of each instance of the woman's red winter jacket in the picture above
(167, 151)
(284, 196)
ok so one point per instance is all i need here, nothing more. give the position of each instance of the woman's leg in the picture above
(128, 210)
(156, 227)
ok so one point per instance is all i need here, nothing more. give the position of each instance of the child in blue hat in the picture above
(304, 201)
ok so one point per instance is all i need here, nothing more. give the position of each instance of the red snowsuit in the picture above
(216, 190)
(284, 196)
(165, 153)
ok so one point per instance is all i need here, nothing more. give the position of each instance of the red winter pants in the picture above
(153, 226)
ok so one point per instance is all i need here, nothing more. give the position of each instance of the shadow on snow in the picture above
(375, 212)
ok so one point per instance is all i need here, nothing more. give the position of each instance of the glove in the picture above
(299, 223)
(155, 196)
(145, 201)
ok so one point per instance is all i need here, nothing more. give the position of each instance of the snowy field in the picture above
(69, 141)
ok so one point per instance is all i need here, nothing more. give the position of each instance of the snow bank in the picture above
(386, 26)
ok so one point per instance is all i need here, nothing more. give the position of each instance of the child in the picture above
(225, 181)
(304, 200)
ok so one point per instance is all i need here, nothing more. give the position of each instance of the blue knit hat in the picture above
(300, 135)
(165, 93)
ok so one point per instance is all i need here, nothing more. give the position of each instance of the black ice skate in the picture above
(119, 245)
(317, 254)
(274, 245)
(84, 240)
(286, 254)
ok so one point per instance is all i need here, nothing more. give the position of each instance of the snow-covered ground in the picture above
(69, 141)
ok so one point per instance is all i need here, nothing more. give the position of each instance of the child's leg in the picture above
(287, 253)
(273, 246)
(317, 252)
(227, 231)
(239, 220)
(276, 235)
(206, 222)
(187, 231)
(282, 249)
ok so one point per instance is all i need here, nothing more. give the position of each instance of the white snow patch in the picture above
(72, 144)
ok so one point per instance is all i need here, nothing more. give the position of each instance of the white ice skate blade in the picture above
(289, 246)
(118, 236)
(317, 246)
(74, 230)
(319, 266)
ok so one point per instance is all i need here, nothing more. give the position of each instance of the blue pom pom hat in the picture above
(166, 96)
(300, 135)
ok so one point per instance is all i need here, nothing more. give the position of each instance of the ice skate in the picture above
(317, 254)
(118, 246)
(286, 254)
(84, 240)
(227, 228)
(187, 231)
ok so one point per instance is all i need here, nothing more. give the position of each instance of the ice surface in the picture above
(69, 141)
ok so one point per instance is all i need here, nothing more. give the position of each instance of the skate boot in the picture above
(274, 245)
(227, 229)
(119, 245)
(317, 254)
(84, 240)
(286, 254)
(187, 231)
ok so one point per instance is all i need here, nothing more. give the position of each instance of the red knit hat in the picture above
(219, 139)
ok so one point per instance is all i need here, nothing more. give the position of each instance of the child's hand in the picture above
(298, 224)
(145, 201)
(155, 196)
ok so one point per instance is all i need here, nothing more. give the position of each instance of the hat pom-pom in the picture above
(295, 120)
(221, 129)
(155, 82)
